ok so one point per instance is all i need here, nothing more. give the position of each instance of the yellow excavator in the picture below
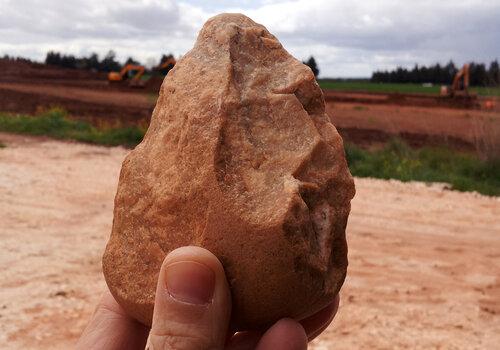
(458, 93)
(131, 73)
(460, 85)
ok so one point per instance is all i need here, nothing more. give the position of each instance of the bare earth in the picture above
(424, 262)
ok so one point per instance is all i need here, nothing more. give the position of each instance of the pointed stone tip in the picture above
(226, 23)
(236, 18)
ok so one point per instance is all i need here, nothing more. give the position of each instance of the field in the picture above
(366, 86)
(424, 260)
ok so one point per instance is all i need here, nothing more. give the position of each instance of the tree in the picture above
(93, 62)
(131, 60)
(438, 74)
(450, 71)
(166, 57)
(478, 74)
(53, 58)
(109, 63)
(494, 73)
(311, 62)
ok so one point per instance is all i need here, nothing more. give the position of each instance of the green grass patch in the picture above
(2, 145)
(55, 123)
(366, 86)
(464, 172)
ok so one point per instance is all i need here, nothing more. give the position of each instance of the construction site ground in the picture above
(423, 272)
(362, 118)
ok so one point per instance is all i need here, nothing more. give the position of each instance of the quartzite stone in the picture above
(240, 158)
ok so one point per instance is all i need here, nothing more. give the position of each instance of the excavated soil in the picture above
(362, 118)
(423, 274)
(97, 106)
(448, 125)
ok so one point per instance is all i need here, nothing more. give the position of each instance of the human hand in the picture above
(192, 311)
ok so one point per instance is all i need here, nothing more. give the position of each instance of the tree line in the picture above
(440, 74)
(107, 64)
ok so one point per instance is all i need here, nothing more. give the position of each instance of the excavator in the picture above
(460, 85)
(131, 73)
(458, 93)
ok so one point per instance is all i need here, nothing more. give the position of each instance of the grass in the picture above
(55, 123)
(396, 160)
(366, 86)
(464, 172)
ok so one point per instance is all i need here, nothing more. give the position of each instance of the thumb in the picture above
(193, 302)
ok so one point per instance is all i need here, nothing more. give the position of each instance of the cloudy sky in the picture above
(347, 38)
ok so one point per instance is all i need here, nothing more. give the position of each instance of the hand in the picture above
(192, 311)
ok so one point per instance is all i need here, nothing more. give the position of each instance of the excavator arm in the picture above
(463, 75)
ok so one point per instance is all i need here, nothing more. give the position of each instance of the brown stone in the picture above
(240, 158)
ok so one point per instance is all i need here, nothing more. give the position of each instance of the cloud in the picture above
(347, 38)
(357, 37)
(139, 28)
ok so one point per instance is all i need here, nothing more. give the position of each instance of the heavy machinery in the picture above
(460, 84)
(131, 74)
(459, 92)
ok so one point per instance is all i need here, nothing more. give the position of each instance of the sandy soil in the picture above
(117, 98)
(462, 124)
(424, 262)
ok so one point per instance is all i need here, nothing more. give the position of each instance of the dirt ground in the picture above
(424, 262)
(362, 118)
(450, 124)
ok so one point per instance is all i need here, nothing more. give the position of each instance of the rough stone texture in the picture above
(240, 158)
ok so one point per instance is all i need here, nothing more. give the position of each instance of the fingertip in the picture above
(314, 325)
(196, 254)
(244, 341)
(193, 300)
(284, 334)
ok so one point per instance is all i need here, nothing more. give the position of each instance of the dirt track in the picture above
(424, 262)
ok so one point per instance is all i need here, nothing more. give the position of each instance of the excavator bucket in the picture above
(114, 76)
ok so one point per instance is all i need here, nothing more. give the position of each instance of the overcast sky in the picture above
(347, 38)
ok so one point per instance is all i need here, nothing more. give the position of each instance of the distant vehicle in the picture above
(131, 74)
(460, 84)
(459, 89)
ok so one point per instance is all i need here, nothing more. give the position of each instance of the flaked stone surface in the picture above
(240, 158)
